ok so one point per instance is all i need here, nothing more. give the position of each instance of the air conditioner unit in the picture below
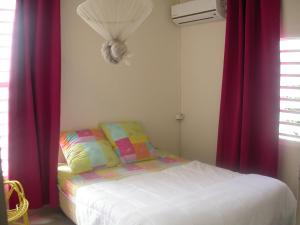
(198, 11)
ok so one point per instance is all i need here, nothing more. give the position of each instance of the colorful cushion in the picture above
(86, 149)
(130, 142)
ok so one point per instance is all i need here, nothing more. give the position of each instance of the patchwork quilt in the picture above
(69, 182)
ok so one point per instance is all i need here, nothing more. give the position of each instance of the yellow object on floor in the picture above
(19, 214)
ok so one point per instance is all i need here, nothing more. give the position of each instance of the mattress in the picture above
(172, 191)
(68, 182)
(67, 206)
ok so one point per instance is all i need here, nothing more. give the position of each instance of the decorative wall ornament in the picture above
(115, 21)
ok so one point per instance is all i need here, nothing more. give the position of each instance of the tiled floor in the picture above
(48, 216)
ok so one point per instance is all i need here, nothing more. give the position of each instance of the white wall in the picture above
(146, 91)
(291, 18)
(202, 49)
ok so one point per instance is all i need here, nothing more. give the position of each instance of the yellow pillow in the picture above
(131, 144)
(86, 149)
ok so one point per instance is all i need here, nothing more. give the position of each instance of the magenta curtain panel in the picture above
(249, 112)
(34, 99)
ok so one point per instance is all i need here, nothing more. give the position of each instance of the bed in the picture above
(173, 191)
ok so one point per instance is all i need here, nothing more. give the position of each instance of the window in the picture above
(7, 10)
(290, 89)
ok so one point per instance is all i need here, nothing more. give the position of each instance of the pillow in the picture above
(130, 142)
(86, 149)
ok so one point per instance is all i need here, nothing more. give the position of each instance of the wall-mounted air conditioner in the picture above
(198, 11)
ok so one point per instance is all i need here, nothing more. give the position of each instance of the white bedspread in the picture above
(190, 194)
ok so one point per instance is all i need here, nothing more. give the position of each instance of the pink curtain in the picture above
(34, 101)
(249, 113)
